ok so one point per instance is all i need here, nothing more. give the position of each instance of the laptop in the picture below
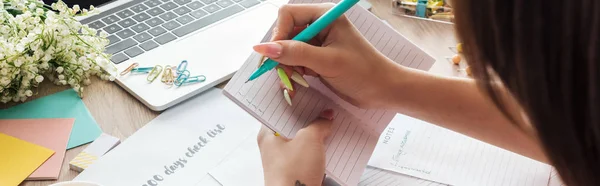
(215, 37)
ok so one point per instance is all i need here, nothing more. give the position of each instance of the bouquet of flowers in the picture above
(39, 42)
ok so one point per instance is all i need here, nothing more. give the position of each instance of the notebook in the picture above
(64, 104)
(50, 133)
(355, 130)
(416, 148)
(19, 159)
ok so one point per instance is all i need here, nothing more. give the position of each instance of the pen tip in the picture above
(246, 81)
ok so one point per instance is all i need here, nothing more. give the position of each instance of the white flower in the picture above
(39, 78)
(37, 44)
(18, 63)
(76, 8)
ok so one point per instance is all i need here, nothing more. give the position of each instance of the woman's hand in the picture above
(299, 161)
(344, 60)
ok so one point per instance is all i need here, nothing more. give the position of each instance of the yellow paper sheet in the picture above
(19, 159)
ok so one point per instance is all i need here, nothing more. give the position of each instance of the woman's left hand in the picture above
(299, 161)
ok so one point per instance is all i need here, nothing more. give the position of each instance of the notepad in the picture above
(64, 104)
(19, 159)
(416, 148)
(50, 133)
(374, 177)
(355, 131)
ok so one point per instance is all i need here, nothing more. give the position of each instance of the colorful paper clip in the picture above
(153, 74)
(168, 77)
(128, 69)
(182, 77)
(182, 67)
(190, 80)
(134, 69)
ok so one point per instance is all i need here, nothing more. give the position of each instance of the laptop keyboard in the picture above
(142, 25)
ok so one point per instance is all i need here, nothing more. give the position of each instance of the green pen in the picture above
(311, 31)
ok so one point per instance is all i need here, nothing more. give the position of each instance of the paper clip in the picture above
(195, 79)
(142, 70)
(190, 80)
(168, 76)
(182, 77)
(128, 69)
(153, 74)
(182, 66)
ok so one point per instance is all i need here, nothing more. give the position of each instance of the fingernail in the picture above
(286, 95)
(269, 49)
(327, 114)
(299, 79)
(284, 78)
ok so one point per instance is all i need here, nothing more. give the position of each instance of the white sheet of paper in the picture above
(242, 167)
(374, 177)
(208, 180)
(177, 147)
(416, 148)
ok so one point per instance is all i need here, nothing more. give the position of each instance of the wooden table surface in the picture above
(120, 114)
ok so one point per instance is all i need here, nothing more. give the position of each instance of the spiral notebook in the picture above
(355, 131)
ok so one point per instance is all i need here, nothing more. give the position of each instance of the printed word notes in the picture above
(355, 131)
(416, 148)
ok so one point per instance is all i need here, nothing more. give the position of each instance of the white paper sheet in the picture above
(242, 167)
(375, 177)
(423, 150)
(164, 151)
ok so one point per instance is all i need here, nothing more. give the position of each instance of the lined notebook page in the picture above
(416, 148)
(379, 177)
(355, 131)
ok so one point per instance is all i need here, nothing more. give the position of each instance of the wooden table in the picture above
(120, 114)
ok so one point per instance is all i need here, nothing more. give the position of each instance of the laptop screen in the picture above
(82, 3)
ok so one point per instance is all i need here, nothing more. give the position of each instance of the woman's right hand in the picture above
(344, 60)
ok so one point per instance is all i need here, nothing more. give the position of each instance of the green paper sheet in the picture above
(65, 104)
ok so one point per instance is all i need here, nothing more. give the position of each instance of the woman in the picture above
(536, 90)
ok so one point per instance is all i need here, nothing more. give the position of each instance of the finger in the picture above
(314, 41)
(319, 129)
(297, 53)
(267, 139)
(310, 72)
(300, 70)
(288, 70)
(292, 15)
